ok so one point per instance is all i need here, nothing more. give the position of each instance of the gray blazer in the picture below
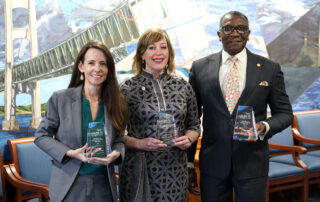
(60, 131)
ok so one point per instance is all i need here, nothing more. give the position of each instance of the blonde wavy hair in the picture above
(149, 37)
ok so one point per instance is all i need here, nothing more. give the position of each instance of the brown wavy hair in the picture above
(149, 37)
(111, 95)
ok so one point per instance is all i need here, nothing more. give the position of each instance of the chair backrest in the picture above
(308, 125)
(284, 137)
(31, 162)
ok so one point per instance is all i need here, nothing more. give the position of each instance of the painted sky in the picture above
(58, 20)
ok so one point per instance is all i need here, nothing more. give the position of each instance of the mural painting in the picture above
(285, 31)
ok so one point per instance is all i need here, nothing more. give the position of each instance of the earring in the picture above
(81, 76)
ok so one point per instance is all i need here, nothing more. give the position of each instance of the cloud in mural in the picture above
(94, 9)
(2, 46)
(276, 16)
(53, 26)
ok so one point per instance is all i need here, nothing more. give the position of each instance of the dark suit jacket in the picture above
(220, 155)
(60, 131)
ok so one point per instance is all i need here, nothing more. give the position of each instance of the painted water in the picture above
(24, 131)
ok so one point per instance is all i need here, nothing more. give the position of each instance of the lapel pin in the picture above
(258, 65)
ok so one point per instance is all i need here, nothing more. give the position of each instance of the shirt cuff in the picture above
(190, 164)
(261, 137)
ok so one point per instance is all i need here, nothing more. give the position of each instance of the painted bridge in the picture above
(117, 30)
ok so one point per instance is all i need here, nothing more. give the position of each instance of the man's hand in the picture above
(261, 128)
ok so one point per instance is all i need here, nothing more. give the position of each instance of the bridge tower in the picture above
(319, 46)
(11, 33)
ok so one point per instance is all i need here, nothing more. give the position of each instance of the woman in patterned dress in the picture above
(152, 170)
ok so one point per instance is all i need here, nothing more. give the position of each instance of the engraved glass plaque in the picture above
(245, 124)
(166, 128)
(98, 138)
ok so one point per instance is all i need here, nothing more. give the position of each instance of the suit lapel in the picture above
(252, 77)
(76, 115)
(215, 63)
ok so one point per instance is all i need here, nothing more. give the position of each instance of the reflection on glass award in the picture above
(96, 138)
(108, 142)
(166, 128)
(245, 124)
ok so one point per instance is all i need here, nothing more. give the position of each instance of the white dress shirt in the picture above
(226, 64)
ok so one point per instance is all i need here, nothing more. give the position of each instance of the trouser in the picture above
(89, 188)
(220, 190)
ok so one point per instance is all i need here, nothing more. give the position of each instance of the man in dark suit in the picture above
(225, 163)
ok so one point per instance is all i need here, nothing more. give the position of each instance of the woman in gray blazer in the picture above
(93, 95)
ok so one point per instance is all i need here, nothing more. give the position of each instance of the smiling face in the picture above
(234, 43)
(156, 56)
(94, 67)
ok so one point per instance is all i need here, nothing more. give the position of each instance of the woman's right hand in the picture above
(150, 144)
(82, 153)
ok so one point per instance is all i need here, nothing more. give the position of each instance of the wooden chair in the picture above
(306, 132)
(3, 192)
(196, 157)
(286, 176)
(29, 171)
(281, 176)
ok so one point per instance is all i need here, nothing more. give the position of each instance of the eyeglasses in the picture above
(228, 29)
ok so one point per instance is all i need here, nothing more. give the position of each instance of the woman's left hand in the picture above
(182, 142)
(105, 161)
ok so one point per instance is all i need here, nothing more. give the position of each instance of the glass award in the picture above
(98, 139)
(166, 128)
(245, 124)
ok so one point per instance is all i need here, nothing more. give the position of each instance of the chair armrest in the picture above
(17, 181)
(117, 178)
(295, 151)
(296, 134)
(292, 148)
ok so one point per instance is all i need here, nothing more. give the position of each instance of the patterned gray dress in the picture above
(158, 175)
